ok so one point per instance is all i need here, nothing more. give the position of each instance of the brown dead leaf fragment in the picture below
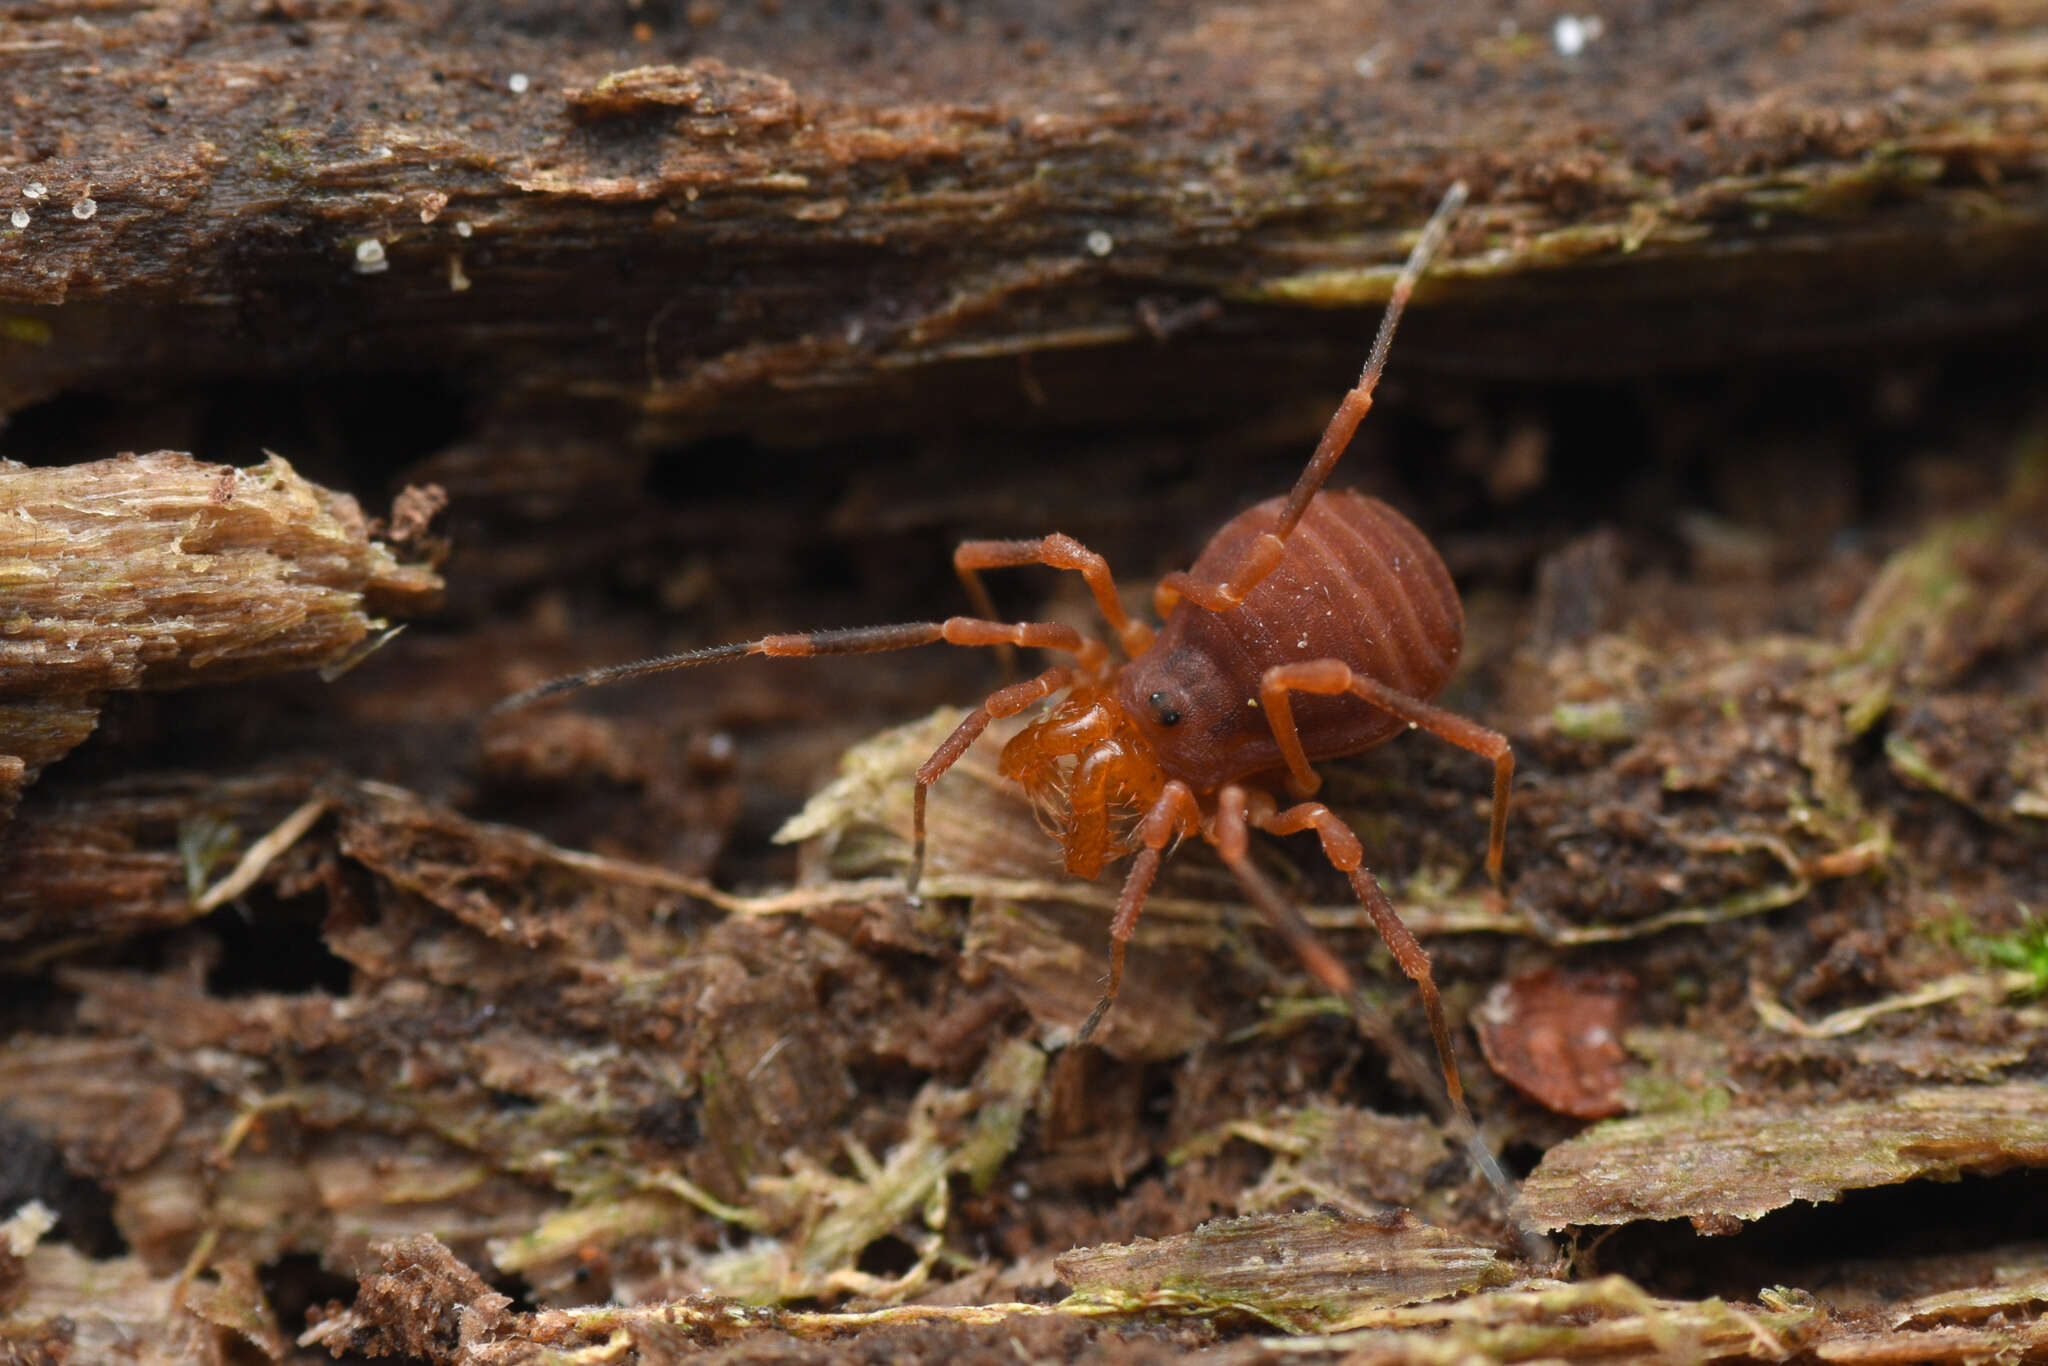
(1719, 1170)
(1557, 1037)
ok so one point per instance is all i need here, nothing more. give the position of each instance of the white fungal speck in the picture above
(1301, 644)
(84, 209)
(1100, 243)
(462, 228)
(35, 189)
(1570, 34)
(19, 218)
(517, 83)
(370, 258)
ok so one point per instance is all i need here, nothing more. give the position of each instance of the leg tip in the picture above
(1094, 1020)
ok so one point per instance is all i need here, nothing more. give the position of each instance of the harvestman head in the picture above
(1312, 626)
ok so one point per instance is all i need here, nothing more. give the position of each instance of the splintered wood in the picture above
(1296, 1272)
(1718, 1170)
(160, 571)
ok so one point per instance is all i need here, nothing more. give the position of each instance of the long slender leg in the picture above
(1345, 853)
(1329, 677)
(1230, 834)
(1003, 702)
(1263, 554)
(1055, 552)
(859, 640)
(1175, 814)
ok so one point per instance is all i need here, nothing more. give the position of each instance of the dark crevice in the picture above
(298, 1282)
(354, 433)
(272, 945)
(32, 1167)
(1905, 1238)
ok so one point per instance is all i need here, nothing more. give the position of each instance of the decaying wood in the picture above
(765, 215)
(132, 857)
(312, 1044)
(1297, 1272)
(1718, 1170)
(622, 1080)
(161, 572)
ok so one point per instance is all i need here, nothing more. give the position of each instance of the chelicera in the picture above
(1312, 626)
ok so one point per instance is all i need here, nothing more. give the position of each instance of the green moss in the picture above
(2023, 950)
(1611, 721)
(205, 842)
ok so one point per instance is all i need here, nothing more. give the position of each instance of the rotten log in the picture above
(1778, 726)
(789, 218)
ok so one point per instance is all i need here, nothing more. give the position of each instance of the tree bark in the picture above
(791, 218)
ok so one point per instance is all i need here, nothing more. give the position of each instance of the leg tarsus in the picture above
(857, 640)
(1139, 870)
(1234, 813)
(860, 640)
(1341, 847)
(1260, 557)
(1414, 961)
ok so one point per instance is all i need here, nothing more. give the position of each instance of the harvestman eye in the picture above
(1167, 715)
